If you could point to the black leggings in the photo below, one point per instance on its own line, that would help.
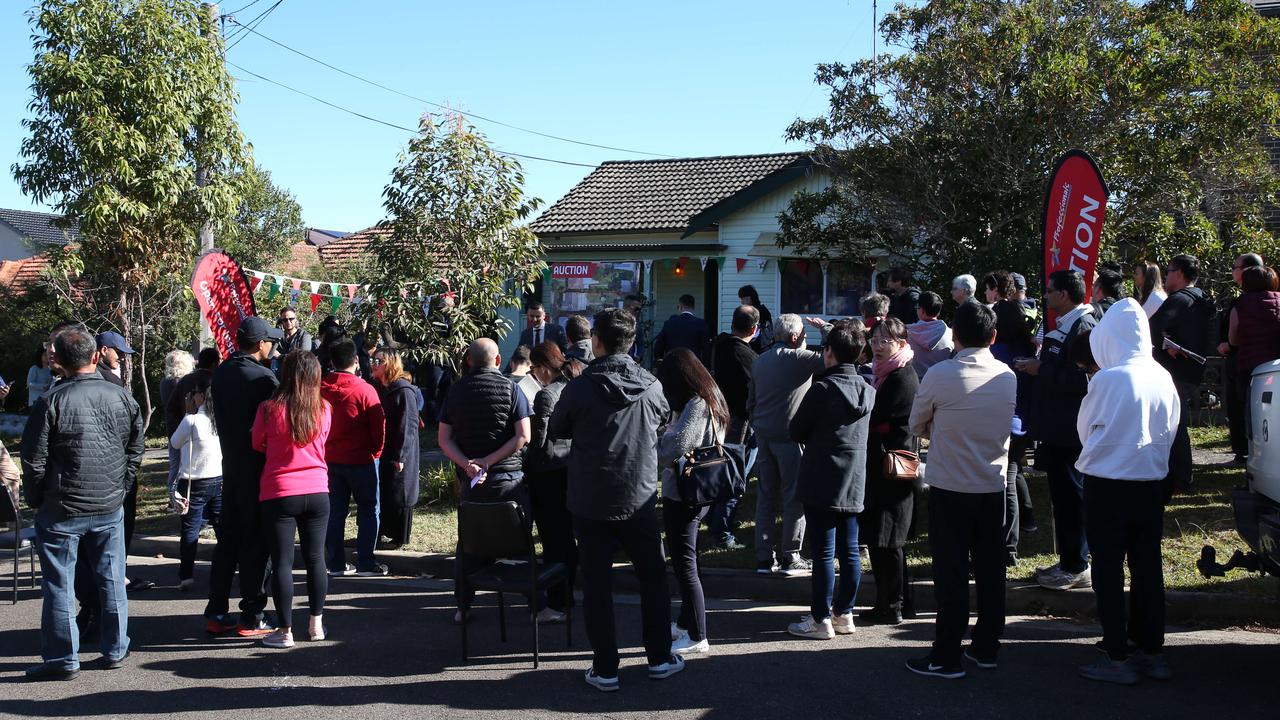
(308, 515)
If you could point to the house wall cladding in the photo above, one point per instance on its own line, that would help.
(739, 233)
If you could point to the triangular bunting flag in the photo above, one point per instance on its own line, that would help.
(333, 290)
(740, 262)
(351, 292)
(297, 285)
(334, 302)
(315, 301)
(254, 282)
(703, 262)
(272, 290)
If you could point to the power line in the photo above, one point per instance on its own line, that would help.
(476, 116)
(246, 7)
(252, 23)
(389, 124)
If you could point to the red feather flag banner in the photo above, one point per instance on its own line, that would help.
(224, 296)
(1075, 206)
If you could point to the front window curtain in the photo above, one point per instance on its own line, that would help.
(806, 292)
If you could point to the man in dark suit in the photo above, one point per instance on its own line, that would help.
(682, 330)
(540, 331)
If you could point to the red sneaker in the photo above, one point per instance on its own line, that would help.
(218, 625)
(260, 630)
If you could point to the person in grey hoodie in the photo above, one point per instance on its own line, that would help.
(930, 338)
(779, 380)
(833, 422)
(612, 412)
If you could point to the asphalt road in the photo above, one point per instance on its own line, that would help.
(392, 651)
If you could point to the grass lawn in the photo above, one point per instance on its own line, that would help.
(1192, 520)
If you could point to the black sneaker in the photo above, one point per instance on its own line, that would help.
(766, 567)
(982, 661)
(926, 666)
(881, 616)
(794, 565)
(106, 663)
(45, 671)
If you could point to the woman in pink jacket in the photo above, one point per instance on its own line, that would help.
(291, 429)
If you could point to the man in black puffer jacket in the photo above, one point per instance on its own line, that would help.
(81, 451)
(484, 426)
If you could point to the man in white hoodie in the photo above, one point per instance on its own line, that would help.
(1126, 424)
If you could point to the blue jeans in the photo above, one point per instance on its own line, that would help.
(205, 505)
(346, 481)
(60, 541)
(833, 535)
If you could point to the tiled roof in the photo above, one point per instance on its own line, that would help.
(20, 275)
(320, 238)
(346, 250)
(38, 227)
(304, 256)
(657, 195)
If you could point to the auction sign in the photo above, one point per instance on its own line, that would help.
(1075, 205)
(224, 296)
(573, 270)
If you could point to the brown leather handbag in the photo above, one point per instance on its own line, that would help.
(901, 465)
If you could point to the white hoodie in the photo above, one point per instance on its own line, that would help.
(1128, 419)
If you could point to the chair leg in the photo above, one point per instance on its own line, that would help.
(535, 641)
(502, 616)
(568, 626)
(464, 635)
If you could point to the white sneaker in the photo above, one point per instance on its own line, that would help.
(603, 684)
(1063, 580)
(685, 645)
(809, 628)
(549, 615)
(677, 632)
(666, 669)
(279, 639)
(843, 624)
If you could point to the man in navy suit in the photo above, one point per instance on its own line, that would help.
(682, 330)
(540, 331)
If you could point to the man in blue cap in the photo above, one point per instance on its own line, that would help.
(111, 346)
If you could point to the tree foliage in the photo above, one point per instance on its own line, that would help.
(129, 97)
(452, 204)
(267, 221)
(941, 151)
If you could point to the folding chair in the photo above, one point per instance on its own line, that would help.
(501, 531)
(9, 513)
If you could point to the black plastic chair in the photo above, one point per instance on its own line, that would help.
(9, 513)
(501, 531)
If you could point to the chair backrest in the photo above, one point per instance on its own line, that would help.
(494, 530)
(8, 506)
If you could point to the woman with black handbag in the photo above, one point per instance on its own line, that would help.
(891, 449)
(701, 422)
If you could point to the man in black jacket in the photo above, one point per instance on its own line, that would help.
(731, 362)
(682, 330)
(578, 330)
(1108, 287)
(1183, 319)
(541, 329)
(81, 450)
(903, 299)
(612, 413)
(239, 385)
(1060, 387)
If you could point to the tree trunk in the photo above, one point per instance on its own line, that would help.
(142, 365)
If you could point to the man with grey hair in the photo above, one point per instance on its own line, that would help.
(779, 380)
(963, 288)
(81, 451)
(484, 424)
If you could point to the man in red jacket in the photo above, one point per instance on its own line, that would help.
(355, 442)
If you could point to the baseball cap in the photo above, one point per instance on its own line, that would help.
(1018, 281)
(111, 339)
(255, 329)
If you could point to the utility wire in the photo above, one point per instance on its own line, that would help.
(246, 7)
(370, 118)
(476, 116)
(254, 23)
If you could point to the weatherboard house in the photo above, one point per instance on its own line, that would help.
(698, 226)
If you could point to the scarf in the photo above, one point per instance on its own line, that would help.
(883, 368)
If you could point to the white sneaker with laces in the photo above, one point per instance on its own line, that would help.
(812, 629)
(685, 645)
(603, 684)
(666, 669)
(1060, 579)
(677, 632)
(279, 639)
(843, 624)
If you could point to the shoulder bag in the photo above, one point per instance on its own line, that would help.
(712, 473)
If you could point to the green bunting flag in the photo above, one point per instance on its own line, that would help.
(272, 289)
(334, 302)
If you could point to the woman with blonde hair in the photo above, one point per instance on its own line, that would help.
(291, 429)
(398, 466)
(1148, 287)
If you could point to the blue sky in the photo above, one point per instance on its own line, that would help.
(687, 78)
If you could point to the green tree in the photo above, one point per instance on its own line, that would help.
(268, 220)
(452, 204)
(942, 151)
(129, 97)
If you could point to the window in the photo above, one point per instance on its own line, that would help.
(806, 290)
(585, 288)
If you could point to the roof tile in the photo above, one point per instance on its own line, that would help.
(38, 227)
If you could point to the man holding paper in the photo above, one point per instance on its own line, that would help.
(484, 425)
(1180, 336)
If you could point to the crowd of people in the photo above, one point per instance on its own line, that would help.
(277, 441)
